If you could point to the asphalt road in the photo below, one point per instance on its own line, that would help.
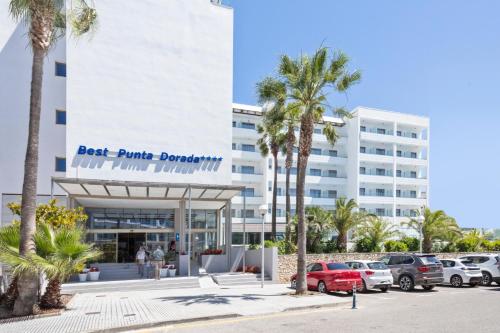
(444, 309)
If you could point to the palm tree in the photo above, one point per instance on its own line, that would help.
(59, 253)
(345, 219)
(376, 231)
(46, 21)
(272, 138)
(320, 223)
(436, 226)
(308, 80)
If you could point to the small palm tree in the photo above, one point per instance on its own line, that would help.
(47, 21)
(376, 231)
(272, 138)
(319, 224)
(345, 219)
(436, 226)
(308, 81)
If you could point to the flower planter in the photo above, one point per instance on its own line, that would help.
(82, 277)
(171, 272)
(163, 272)
(94, 276)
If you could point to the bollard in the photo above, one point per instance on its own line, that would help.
(354, 297)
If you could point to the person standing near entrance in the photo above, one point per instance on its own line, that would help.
(158, 256)
(140, 258)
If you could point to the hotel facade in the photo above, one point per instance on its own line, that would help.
(138, 128)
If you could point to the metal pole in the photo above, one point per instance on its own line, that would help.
(189, 231)
(262, 254)
(51, 189)
(244, 227)
(421, 225)
(354, 297)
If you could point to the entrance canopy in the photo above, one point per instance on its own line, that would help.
(92, 191)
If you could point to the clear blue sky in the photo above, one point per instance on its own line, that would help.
(435, 58)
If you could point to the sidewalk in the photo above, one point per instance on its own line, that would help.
(100, 311)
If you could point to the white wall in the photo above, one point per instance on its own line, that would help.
(155, 77)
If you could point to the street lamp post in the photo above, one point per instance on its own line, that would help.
(420, 220)
(263, 212)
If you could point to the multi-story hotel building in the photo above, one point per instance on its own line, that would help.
(142, 133)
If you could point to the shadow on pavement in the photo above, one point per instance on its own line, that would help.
(417, 289)
(213, 298)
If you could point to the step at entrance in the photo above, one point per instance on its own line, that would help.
(234, 279)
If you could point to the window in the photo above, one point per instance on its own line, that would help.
(393, 260)
(362, 191)
(413, 155)
(399, 133)
(234, 124)
(380, 151)
(362, 150)
(385, 260)
(413, 194)
(398, 211)
(247, 169)
(309, 267)
(278, 191)
(336, 266)
(315, 172)
(398, 193)
(376, 265)
(234, 146)
(60, 117)
(380, 131)
(398, 173)
(332, 173)
(293, 192)
(413, 174)
(270, 186)
(362, 170)
(60, 69)
(234, 168)
(332, 193)
(248, 125)
(428, 259)
(249, 213)
(332, 153)
(380, 192)
(293, 171)
(233, 212)
(362, 128)
(380, 172)
(60, 164)
(315, 193)
(413, 135)
(317, 131)
(380, 212)
(407, 260)
(399, 153)
(248, 192)
(315, 151)
(317, 268)
(246, 147)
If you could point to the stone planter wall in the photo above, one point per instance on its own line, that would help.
(287, 264)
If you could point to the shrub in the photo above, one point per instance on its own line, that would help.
(254, 246)
(330, 246)
(364, 245)
(466, 245)
(412, 243)
(395, 246)
(450, 247)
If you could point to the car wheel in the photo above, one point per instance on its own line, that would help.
(428, 287)
(363, 287)
(293, 284)
(322, 287)
(384, 289)
(456, 281)
(486, 281)
(406, 283)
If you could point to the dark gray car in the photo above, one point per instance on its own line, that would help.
(410, 270)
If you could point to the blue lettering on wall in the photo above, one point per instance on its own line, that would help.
(145, 155)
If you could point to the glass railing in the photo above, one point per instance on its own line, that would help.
(374, 151)
(408, 174)
(377, 131)
(374, 193)
(407, 154)
(375, 172)
(411, 135)
(379, 212)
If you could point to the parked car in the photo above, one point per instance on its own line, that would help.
(325, 277)
(458, 272)
(489, 265)
(374, 274)
(410, 270)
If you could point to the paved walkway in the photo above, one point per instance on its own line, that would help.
(97, 311)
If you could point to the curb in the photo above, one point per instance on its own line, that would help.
(316, 306)
(163, 323)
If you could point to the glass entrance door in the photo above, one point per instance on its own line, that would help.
(128, 245)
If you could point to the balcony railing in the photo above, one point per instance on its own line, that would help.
(371, 193)
(374, 172)
(378, 212)
(374, 151)
(375, 130)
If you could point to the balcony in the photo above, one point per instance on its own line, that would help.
(246, 177)
(377, 137)
(379, 212)
(374, 197)
(250, 200)
(246, 133)
(323, 180)
(408, 138)
(407, 159)
(374, 155)
(308, 200)
(246, 155)
(411, 201)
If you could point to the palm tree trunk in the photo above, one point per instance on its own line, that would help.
(52, 296)
(290, 140)
(342, 241)
(427, 245)
(275, 194)
(27, 282)
(305, 143)
(9, 297)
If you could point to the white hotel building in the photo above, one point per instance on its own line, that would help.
(161, 91)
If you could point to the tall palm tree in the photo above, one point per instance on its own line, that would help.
(308, 80)
(345, 219)
(436, 226)
(272, 138)
(376, 230)
(46, 20)
(59, 253)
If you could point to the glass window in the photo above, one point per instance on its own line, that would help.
(332, 193)
(278, 191)
(332, 173)
(362, 170)
(246, 147)
(362, 128)
(428, 260)
(293, 171)
(234, 146)
(248, 192)
(248, 125)
(380, 130)
(60, 117)
(60, 69)
(398, 193)
(336, 266)
(407, 260)
(249, 213)
(413, 174)
(293, 192)
(398, 212)
(398, 173)
(398, 133)
(247, 169)
(315, 151)
(362, 191)
(380, 151)
(60, 164)
(317, 267)
(317, 131)
(399, 153)
(380, 192)
(332, 153)
(234, 124)
(380, 172)
(233, 168)
(413, 135)
(413, 155)
(315, 193)
(315, 172)
(106, 243)
(296, 150)
(309, 267)
(362, 150)
(376, 265)
(394, 260)
(413, 194)
(380, 212)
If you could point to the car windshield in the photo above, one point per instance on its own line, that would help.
(429, 260)
(377, 265)
(335, 266)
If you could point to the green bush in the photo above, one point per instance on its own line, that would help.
(364, 245)
(283, 246)
(450, 247)
(466, 245)
(491, 246)
(254, 246)
(330, 246)
(395, 246)
(412, 243)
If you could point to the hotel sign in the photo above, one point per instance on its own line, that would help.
(145, 155)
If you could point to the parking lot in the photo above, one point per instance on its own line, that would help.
(444, 309)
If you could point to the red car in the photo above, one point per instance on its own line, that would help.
(325, 277)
